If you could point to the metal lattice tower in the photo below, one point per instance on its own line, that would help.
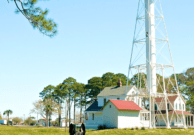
(151, 56)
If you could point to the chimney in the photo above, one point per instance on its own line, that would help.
(119, 84)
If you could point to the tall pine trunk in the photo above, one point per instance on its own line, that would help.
(59, 114)
(8, 120)
(81, 109)
(85, 102)
(74, 110)
(69, 110)
(46, 124)
(49, 120)
(66, 117)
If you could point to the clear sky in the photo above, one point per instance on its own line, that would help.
(94, 37)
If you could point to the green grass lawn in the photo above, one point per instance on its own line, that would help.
(22, 130)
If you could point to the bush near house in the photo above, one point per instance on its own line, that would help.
(100, 127)
(143, 128)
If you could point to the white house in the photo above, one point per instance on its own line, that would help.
(177, 104)
(94, 114)
(121, 114)
(100, 113)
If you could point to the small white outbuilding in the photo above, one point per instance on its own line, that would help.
(121, 114)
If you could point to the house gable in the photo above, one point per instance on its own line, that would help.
(110, 115)
(179, 103)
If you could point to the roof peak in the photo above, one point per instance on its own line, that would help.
(114, 90)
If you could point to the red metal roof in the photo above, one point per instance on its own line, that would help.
(125, 105)
(171, 98)
(180, 112)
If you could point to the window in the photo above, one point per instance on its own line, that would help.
(168, 106)
(104, 101)
(148, 116)
(176, 106)
(183, 107)
(86, 116)
(179, 106)
(156, 107)
(133, 93)
(92, 116)
(118, 98)
(110, 106)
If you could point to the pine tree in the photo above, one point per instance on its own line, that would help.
(36, 16)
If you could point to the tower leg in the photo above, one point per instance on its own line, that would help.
(165, 98)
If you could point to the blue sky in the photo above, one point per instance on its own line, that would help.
(94, 37)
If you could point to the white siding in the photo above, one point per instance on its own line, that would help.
(175, 122)
(110, 116)
(131, 91)
(178, 121)
(3, 122)
(179, 101)
(93, 124)
(128, 119)
(136, 99)
(101, 99)
(161, 121)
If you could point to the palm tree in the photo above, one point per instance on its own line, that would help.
(8, 112)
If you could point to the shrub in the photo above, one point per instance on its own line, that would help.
(143, 128)
(100, 127)
(38, 125)
(136, 128)
(132, 128)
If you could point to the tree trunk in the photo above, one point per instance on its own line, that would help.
(8, 119)
(66, 117)
(85, 102)
(80, 108)
(49, 120)
(46, 124)
(59, 114)
(74, 110)
(60, 119)
(69, 111)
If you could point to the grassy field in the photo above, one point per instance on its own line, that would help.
(19, 130)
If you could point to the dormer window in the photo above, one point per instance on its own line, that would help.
(118, 98)
(110, 106)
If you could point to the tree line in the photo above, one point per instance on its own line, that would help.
(70, 92)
